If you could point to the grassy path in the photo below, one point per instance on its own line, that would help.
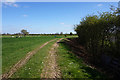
(14, 49)
(23, 61)
(33, 68)
(51, 69)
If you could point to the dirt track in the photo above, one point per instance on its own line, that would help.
(23, 61)
(51, 69)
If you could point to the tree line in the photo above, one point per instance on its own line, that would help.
(26, 33)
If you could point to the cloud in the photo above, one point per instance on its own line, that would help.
(66, 25)
(62, 23)
(25, 15)
(100, 5)
(15, 5)
(10, 4)
(9, 0)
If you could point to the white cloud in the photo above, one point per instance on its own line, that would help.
(25, 15)
(15, 5)
(100, 5)
(9, 0)
(66, 25)
(10, 4)
(62, 23)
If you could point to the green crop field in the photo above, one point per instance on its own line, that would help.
(13, 49)
(35, 65)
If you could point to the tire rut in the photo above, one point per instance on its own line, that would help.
(51, 69)
(23, 61)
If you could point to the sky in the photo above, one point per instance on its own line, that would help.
(48, 17)
(59, 0)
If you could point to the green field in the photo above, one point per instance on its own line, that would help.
(13, 49)
(35, 65)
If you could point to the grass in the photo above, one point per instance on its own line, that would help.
(58, 36)
(72, 67)
(33, 68)
(13, 49)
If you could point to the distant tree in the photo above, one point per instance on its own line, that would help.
(7, 34)
(24, 32)
(71, 33)
(56, 33)
(17, 34)
(3, 33)
(61, 33)
(65, 35)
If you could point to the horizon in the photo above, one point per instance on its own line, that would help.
(48, 17)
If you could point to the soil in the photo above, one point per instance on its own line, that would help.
(51, 69)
